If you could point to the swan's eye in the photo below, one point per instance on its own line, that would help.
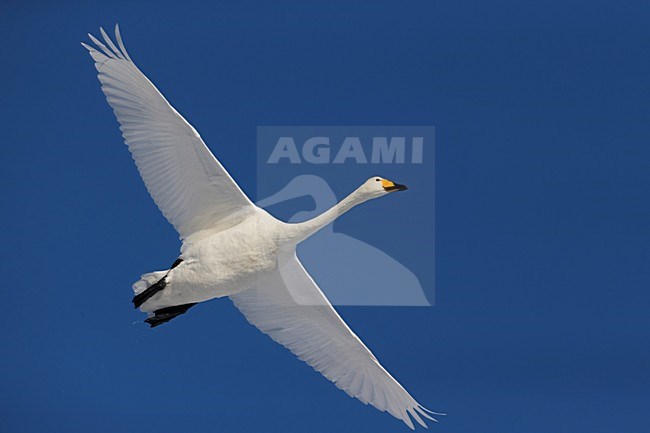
(377, 179)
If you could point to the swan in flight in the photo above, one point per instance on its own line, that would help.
(230, 247)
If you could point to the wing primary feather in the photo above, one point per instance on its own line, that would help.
(88, 47)
(118, 36)
(415, 415)
(407, 419)
(426, 415)
(431, 412)
(110, 43)
(102, 46)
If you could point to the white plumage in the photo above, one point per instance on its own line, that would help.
(233, 248)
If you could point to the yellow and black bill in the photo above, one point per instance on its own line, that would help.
(392, 186)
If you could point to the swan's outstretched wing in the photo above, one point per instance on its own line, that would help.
(186, 181)
(292, 310)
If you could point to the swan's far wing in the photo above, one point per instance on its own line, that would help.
(293, 311)
(186, 181)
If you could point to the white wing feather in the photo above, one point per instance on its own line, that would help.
(189, 185)
(293, 311)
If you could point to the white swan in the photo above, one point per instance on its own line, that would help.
(232, 247)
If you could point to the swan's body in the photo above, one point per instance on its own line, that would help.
(233, 248)
(218, 264)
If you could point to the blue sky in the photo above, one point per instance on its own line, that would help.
(541, 213)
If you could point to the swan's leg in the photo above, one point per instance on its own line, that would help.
(176, 263)
(141, 298)
(168, 313)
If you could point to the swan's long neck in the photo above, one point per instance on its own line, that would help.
(301, 231)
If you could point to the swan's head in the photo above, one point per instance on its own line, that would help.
(377, 186)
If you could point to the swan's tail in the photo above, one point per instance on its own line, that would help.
(147, 280)
(147, 286)
(150, 284)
